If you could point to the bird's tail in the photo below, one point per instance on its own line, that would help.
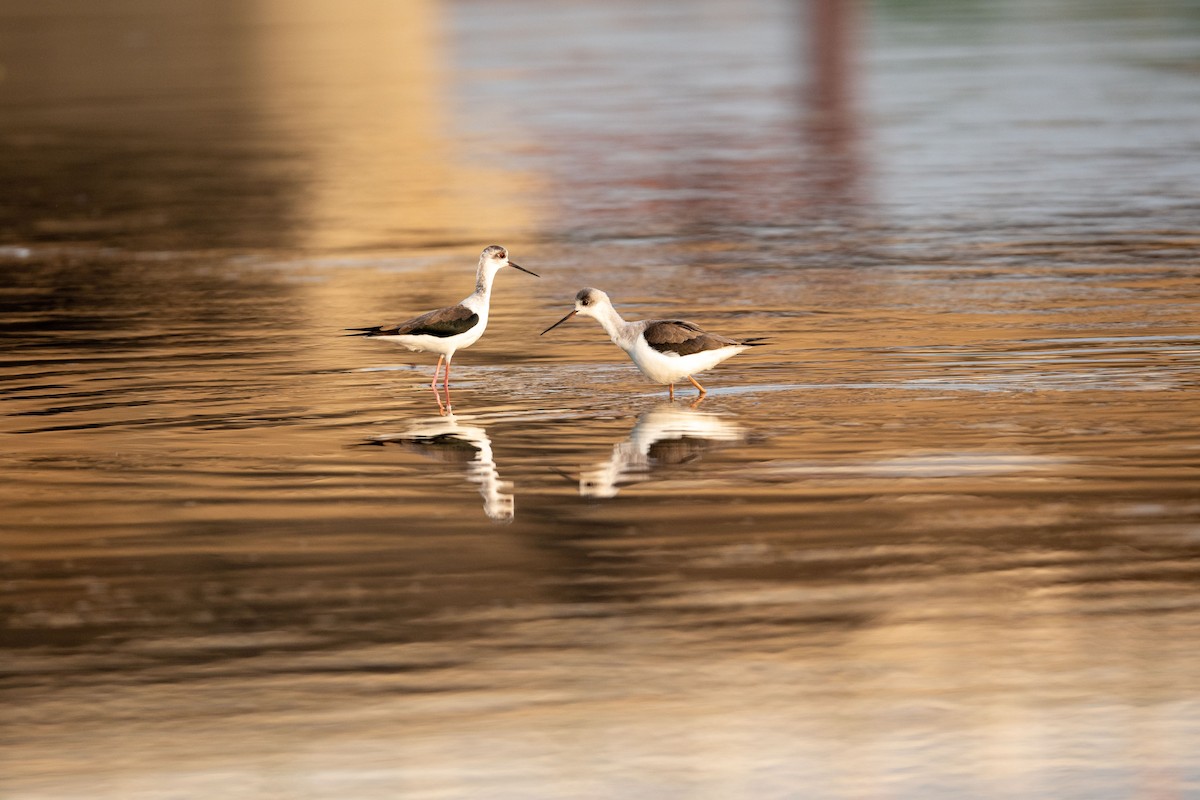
(372, 331)
(755, 341)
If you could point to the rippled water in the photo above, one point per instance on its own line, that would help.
(940, 538)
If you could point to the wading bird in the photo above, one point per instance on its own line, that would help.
(449, 329)
(665, 350)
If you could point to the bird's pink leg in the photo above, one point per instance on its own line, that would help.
(446, 384)
(436, 394)
(698, 386)
(671, 389)
(436, 370)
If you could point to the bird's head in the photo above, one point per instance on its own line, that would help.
(494, 258)
(587, 302)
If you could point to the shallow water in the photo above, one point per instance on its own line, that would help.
(940, 538)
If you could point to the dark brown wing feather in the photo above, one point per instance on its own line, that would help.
(442, 323)
(683, 338)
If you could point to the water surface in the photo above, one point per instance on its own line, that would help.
(938, 539)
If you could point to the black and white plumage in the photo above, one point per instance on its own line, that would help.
(440, 324)
(448, 330)
(683, 338)
(665, 350)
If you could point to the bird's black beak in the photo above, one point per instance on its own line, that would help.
(518, 266)
(560, 322)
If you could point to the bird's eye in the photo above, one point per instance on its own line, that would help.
(584, 302)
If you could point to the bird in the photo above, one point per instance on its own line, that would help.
(665, 350)
(450, 329)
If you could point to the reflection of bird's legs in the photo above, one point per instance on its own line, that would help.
(698, 386)
(671, 389)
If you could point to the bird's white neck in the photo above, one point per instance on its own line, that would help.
(623, 334)
(483, 288)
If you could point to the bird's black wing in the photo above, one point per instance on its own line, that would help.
(683, 338)
(443, 322)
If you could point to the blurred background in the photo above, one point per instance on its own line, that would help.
(939, 539)
(202, 125)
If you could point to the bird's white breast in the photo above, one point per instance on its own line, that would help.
(669, 368)
(442, 345)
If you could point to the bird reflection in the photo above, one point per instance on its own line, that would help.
(447, 439)
(662, 437)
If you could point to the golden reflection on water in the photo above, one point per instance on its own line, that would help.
(964, 554)
(363, 93)
(938, 539)
(249, 125)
